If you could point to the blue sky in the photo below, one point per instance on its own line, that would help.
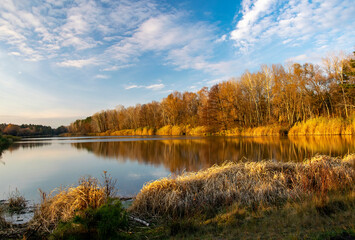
(63, 60)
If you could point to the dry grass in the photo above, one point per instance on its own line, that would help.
(16, 202)
(324, 126)
(197, 131)
(3, 223)
(257, 131)
(249, 184)
(166, 130)
(63, 204)
(146, 131)
(177, 131)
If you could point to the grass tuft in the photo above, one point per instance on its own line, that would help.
(62, 204)
(16, 202)
(104, 222)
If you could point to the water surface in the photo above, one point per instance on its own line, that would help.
(47, 163)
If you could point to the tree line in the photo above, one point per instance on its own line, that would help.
(30, 130)
(274, 95)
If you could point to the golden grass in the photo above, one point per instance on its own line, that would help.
(247, 184)
(324, 126)
(272, 130)
(177, 131)
(166, 130)
(197, 131)
(64, 203)
(145, 131)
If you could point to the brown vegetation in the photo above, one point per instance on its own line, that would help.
(249, 184)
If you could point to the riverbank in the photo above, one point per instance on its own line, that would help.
(249, 200)
(314, 126)
(6, 141)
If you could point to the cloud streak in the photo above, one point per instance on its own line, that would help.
(78, 63)
(153, 87)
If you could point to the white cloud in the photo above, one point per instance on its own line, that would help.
(293, 21)
(132, 86)
(312, 57)
(115, 33)
(223, 38)
(184, 44)
(51, 28)
(117, 67)
(216, 81)
(14, 53)
(101, 76)
(153, 87)
(299, 58)
(78, 63)
(246, 29)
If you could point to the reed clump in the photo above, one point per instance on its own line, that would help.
(324, 126)
(16, 202)
(63, 204)
(249, 184)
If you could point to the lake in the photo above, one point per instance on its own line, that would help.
(47, 163)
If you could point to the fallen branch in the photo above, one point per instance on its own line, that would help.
(139, 220)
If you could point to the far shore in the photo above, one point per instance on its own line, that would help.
(313, 127)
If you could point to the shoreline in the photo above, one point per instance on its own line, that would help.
(319, 126)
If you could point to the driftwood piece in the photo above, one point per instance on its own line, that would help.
(139, 220)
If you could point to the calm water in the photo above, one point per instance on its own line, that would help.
(47, 163)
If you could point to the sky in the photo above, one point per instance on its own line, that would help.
(64, 60)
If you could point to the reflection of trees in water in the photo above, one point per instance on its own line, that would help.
(30, 145)
(330, 145)
(17, 146)
(194, 154)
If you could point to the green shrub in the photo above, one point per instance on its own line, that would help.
(104, 222)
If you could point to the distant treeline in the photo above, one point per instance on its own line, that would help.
(278, 95)
(30, 130)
